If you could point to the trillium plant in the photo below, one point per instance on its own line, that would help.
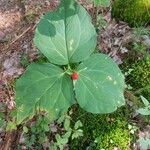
(75, 73)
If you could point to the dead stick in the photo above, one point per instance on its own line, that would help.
(5, 50)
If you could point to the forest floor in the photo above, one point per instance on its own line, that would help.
(18, 20)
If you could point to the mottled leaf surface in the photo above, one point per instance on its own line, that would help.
(100, 86)
(43, 87)
(66, 35)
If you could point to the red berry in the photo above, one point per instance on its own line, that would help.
(74, 76)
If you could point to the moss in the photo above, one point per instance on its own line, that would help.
(134, 12)
(139, 78)
(108, 131)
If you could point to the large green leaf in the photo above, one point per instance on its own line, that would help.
(45, 87)
(66, 35)
(100, 86)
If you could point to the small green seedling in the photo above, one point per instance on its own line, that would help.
(70, 132)
(146, 110)
(74, 74)
(144, 143)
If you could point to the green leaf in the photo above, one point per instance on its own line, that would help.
(77, 134)
(67, 134)
(102, 3)
(145, 101)
(101, 22)
(67, 123)
(61, 140)
(2, 115)
(2, 123)
(100, 86)
(45, 87)
(66, 35)
(53, 147)
(144, 111)
(25, 129)
(78, 124)
(11, 126)
(58, 137)
(46, 128)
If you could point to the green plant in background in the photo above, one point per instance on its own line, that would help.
(101, 22)
(36, 134)
(58, 133)
(70, 132)
(6, 119)
(132, 128)
(140, 48)
(146, 109)
(141, 42)
(144, 143)
(139, 77)
(102, 131)
(134, 12)
(67, 37)
(139, 32)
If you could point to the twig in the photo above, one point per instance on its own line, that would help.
(18, 37)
